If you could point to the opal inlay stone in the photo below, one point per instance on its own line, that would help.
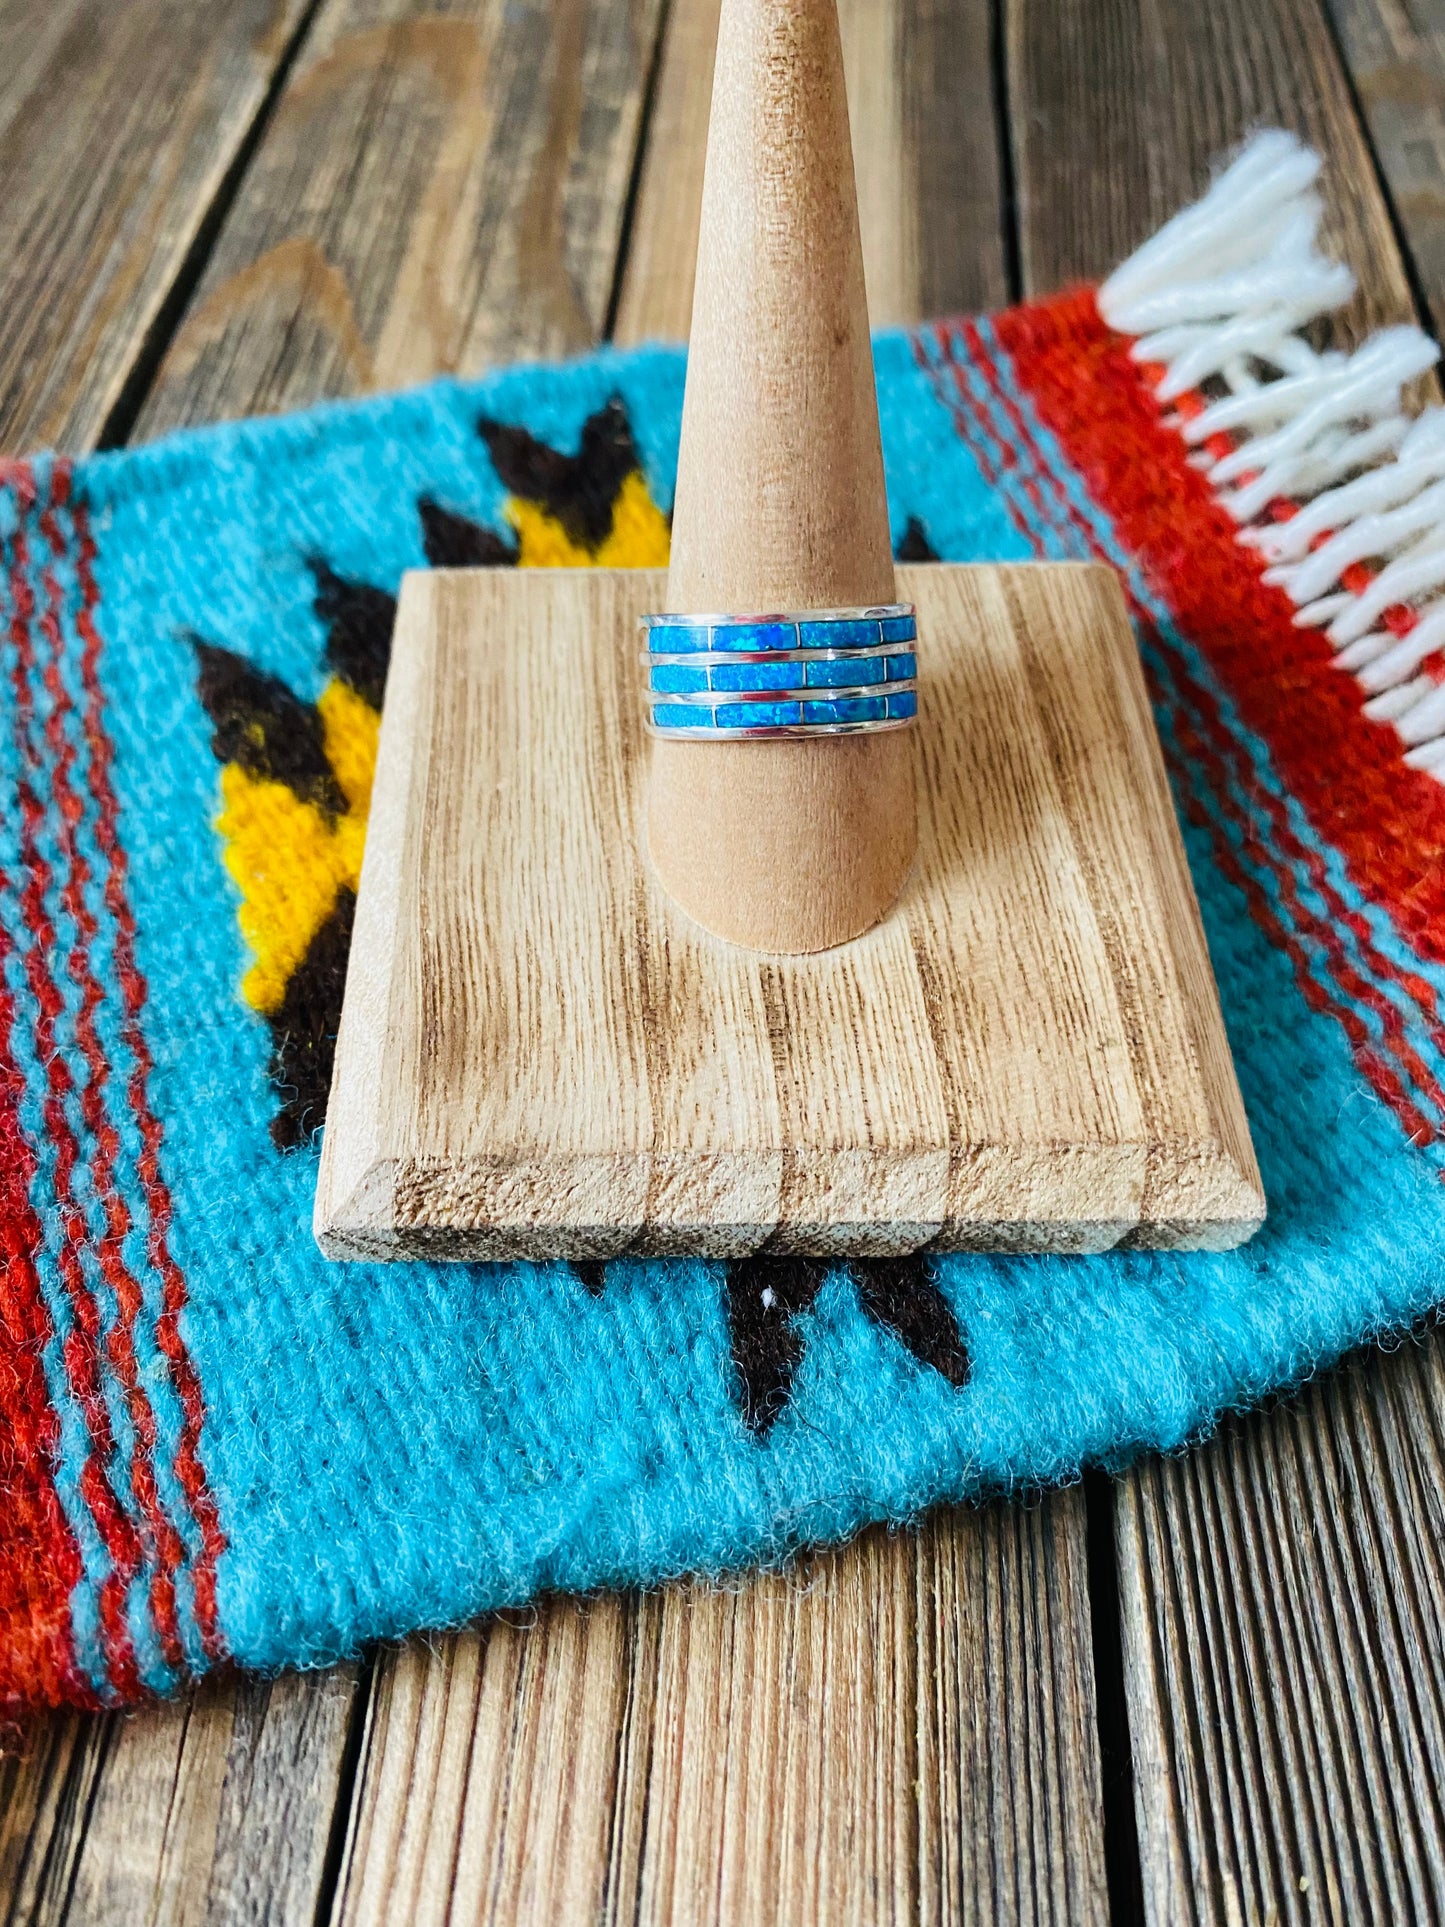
(769, 668)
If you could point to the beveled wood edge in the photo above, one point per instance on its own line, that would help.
(371, 1224)
(370, 989)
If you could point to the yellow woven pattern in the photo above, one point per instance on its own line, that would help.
(638, 538)
(289, 857)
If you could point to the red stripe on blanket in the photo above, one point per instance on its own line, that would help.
(1348, 773)
(163, 1541)
(39, 1559)
(189, 1469)
(1392, 1066)
(81, 1347)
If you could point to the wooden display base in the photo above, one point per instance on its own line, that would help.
(540, 1056)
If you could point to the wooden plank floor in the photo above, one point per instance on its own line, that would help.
(1213, 1691)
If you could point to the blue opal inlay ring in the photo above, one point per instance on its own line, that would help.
(820, 672)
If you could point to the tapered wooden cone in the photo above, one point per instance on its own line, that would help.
(791, 844)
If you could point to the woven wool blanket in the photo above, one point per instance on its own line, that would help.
(213, 1443)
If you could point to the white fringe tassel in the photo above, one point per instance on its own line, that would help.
(1220, 295)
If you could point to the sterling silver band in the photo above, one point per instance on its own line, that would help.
(713, 675)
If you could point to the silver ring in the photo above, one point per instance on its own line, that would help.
(749, 643)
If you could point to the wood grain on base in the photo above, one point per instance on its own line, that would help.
(539, 1055)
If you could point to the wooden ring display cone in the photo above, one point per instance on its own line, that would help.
(780, 505)
(542, 1055)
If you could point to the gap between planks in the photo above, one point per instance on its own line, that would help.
(1395, 57)
(213, 1809)
(437, 192)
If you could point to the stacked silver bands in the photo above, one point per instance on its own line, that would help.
(823, 672)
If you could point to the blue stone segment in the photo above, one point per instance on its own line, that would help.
(855, 709)
(840, 658)
(673, 639)
(755, 635)
(757, 715)
(676, 679)
(755, 675)
(838, 635)
(851, 671)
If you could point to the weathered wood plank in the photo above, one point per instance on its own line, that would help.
(212, 1810)
(1285, 1656)
(1395, 51)
(1279, 1587)
(895, 1733)
(926, 131)
(118, 123)
(1119, 107)
(47, 1772)
(926, 148)
(439, 189)
(656, 274)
